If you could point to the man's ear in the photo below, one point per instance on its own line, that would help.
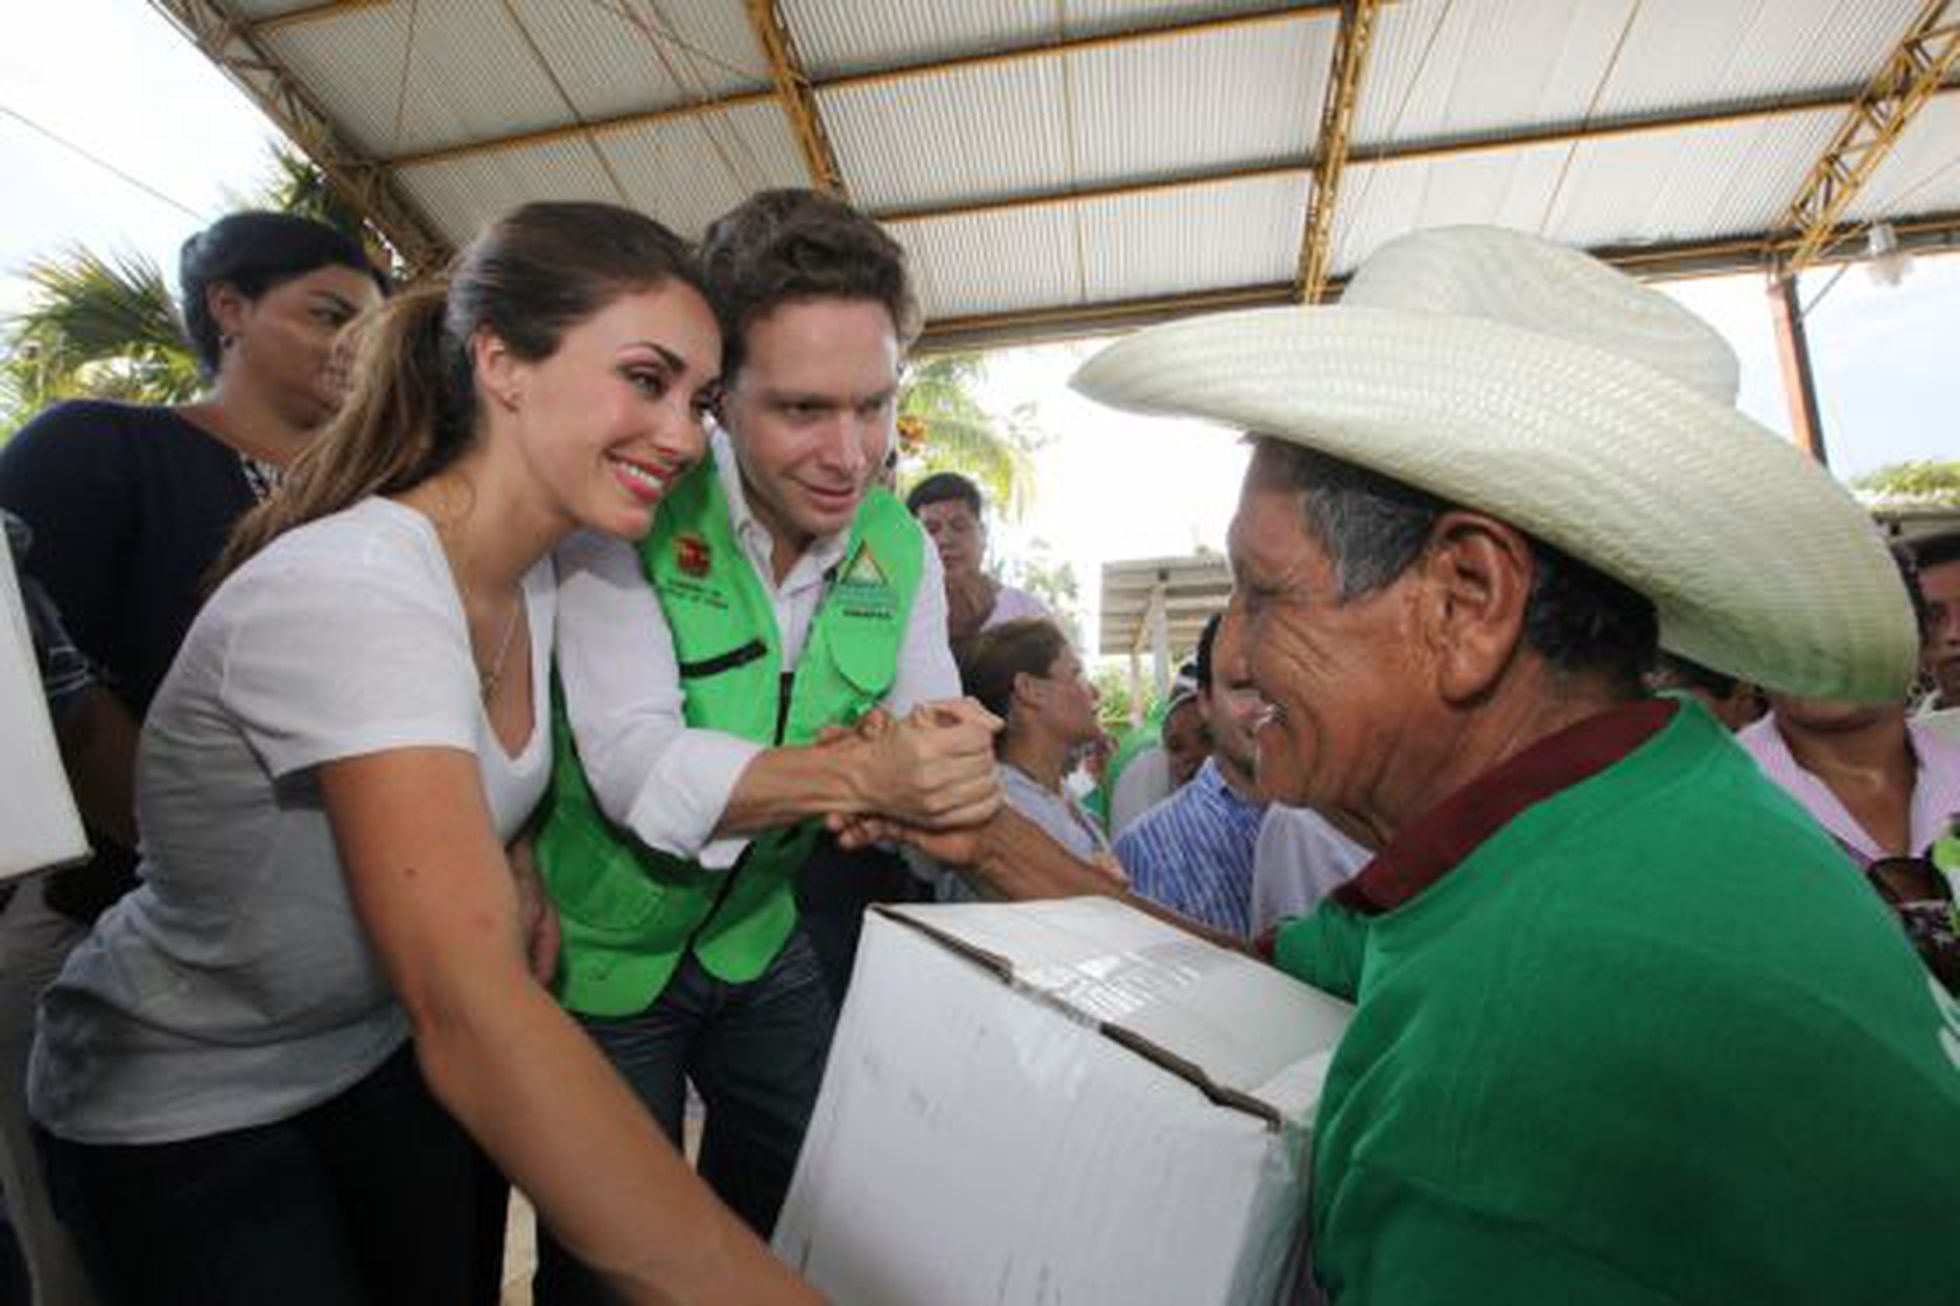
(1027, 689)
(499, 372)
(1477, 573)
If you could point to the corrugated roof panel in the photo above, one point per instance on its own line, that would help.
(840, 36)
(994, 130)
(1444, 69)
(1646, 188)
(846, 36)
(470, 74)
(1922, 173)
(1725, 179)
(461, 195)
(1484, 66)
(1681, 52)
(1240, 94)
(619, 57)
(1166, 242)
(959, 271)
(1379, 202)
(687, 172)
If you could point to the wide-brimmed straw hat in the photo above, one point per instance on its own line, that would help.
(1532, 382)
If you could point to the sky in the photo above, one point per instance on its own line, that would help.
(115, 80)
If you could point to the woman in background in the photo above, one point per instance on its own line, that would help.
(1025, 673)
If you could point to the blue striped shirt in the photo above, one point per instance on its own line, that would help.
(1193, 852)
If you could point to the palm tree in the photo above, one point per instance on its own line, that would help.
(103, 327)
(961, 436)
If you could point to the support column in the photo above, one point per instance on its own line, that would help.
(1793, 351)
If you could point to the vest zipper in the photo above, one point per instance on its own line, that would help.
(728, 881)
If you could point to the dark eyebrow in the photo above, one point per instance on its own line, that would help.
(667, 356)
(328, 297)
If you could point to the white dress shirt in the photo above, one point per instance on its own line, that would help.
(649, 770)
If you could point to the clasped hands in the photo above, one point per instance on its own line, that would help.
(932, 769)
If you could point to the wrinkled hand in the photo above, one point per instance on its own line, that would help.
(537, 919)
(958, 846)
(969, 602)
(1110, 867)
(933, 769)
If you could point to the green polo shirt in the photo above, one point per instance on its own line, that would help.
(1628, 1030)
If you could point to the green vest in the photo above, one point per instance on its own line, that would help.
(629, 913)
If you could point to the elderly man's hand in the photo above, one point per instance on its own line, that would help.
(958, 846)
(933, 769)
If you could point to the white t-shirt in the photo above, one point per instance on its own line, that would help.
(1145, 782)
(1012, 604)
(235, 986)
(1300, 859)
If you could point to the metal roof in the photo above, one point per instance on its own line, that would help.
(1157, 607)
(1059, 166)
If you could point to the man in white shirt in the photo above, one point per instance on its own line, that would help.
(779, 596)
(951, 510)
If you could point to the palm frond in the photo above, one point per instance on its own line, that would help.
(98, 325)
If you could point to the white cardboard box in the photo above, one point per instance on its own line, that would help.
(1065, 1102)
(38, 822)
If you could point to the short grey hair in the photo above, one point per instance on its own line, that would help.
(1373, 529)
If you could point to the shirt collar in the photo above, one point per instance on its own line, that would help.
(1443, 837)
(1935, 787)
(824, 552)
(1211, 783)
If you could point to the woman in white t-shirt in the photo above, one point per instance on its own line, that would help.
(231, 1070)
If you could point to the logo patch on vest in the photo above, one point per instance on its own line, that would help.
(692, 555)
(864, 590)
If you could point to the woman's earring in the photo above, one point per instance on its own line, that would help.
(226, 341)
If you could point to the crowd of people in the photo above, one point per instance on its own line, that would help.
(495, 702)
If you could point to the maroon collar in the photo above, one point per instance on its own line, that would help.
(1441, 838)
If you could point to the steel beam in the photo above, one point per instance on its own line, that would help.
(364, 183)
(794, 92)
(1357, 30)
(1912, 73)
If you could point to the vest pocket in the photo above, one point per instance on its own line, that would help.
(615, 896)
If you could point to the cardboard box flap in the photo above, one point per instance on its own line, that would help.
(1152, 987)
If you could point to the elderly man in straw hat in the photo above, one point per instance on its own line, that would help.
(1626, 1030)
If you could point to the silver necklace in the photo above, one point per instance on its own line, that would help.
(487, 681)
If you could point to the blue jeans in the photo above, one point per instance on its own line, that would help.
(755, 1053)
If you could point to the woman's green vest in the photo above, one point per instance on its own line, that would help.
(629, 913)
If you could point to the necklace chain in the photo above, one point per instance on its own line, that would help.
(488, 680)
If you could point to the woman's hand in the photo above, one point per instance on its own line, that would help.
(537, 919)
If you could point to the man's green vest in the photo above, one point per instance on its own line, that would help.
(630, 913)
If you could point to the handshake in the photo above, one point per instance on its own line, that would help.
(929, 780)
(930, 770)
